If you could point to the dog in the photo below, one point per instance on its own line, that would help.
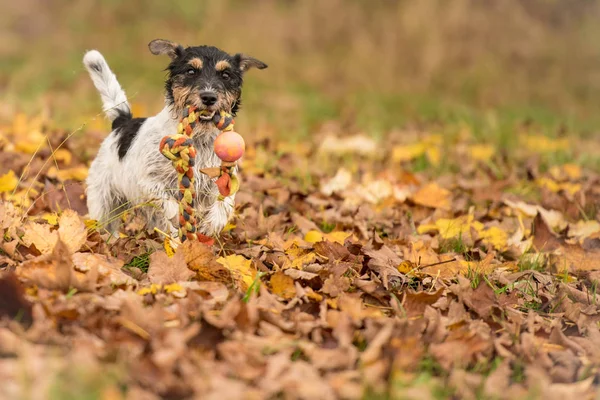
(129, 171)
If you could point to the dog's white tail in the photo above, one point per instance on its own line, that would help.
(114, 100)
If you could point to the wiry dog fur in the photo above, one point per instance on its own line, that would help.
(129, 170)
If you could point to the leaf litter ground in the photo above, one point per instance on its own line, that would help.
(439, 267)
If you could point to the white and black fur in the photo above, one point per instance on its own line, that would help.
(129, 170)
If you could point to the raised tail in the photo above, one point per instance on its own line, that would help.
(114, 100)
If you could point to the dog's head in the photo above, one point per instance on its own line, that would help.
(204, 76)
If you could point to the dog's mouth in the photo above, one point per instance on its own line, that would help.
(207, 115)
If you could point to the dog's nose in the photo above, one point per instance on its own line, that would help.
(208, 98)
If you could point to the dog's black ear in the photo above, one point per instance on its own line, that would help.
(161, 46)
(246, 62)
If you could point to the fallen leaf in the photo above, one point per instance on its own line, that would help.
(433, 196)
(408, 152)
(282, 285)
(241, 269)
(65, 174)
(481, 152)
(339, 182)
(109, 268)
(415, 302)
(164, 269)
(13, 304)
(8, 182)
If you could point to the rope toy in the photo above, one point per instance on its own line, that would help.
(179, 148)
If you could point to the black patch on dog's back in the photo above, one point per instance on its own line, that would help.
(127, 131)
(123, 118)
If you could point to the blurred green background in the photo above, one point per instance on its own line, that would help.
(371, 65)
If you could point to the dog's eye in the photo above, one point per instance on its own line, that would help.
(225, 76)
(191, 71)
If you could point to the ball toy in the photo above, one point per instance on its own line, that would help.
(229, 146)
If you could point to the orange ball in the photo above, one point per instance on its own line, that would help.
(230, 146)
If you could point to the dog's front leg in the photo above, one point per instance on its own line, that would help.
(217, 215)
(213, 211)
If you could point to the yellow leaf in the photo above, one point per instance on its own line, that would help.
(434, 156)
(573, 171)
(75, 173)
(496, 237)
(333, 303)
(153, 289)
(453, 228)
(406, 266)
(175, 289)
(8, 182)
(313, 236)
(91, 223)
(51, 218)
(228, 227)
(20, 124)
(21, 198)
(311, 294)
(28, 146)
(337, 237)
(457, 227)
(544, 144)
(408, 152)
(168, 247)
(63, 155)
(556, 187)
(549, 184)
(435, 139)
(481, 152)
(241, 269)
(282, 285)
(431, 195)
(426, 228)
(303, 260)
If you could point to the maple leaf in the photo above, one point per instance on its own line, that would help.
(164, 269)
(71, 231)
(201, 259)
(53, 271)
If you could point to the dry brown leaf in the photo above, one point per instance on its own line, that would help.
(564, 256)
(201, 259)
(108, 268)
(415, 303)
(71, 231)
(164, 269)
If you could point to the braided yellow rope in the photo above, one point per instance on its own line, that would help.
(179, 148)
